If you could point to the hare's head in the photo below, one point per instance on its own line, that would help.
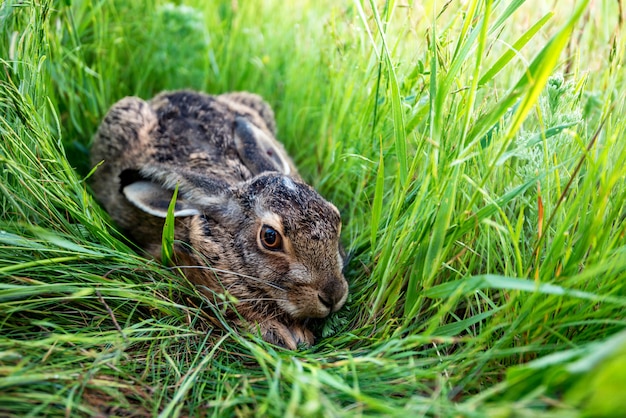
(295, 245)
(273, 239)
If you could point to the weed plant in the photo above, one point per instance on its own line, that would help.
(475, 148)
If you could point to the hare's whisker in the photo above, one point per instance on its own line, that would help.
(253, 300)
(245, 276)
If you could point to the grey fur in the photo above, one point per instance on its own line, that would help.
(234, 177)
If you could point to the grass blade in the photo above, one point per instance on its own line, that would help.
(167, 244)
(513, 51)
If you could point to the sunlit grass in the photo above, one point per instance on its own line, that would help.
(475, 149)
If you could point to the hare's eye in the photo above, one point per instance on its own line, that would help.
(270, 238)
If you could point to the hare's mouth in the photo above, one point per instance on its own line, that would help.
(313, 302)
(313, 307)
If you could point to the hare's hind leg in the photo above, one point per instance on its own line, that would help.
(124, 129)
(122, 142)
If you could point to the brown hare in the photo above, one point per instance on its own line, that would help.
(246, 224)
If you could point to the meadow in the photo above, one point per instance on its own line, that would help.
(475, 148)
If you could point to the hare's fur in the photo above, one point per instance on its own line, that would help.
(236, 182)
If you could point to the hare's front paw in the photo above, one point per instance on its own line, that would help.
(290, 337)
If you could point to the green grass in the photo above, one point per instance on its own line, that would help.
(476, 150)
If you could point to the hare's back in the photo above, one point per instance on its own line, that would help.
(196, 131)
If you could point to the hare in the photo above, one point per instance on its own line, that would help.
(245, 222)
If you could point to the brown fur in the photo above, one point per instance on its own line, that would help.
(233, 178)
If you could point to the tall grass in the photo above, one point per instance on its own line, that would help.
(474, 148)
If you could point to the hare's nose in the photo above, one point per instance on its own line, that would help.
(326, 301)
(332, 294)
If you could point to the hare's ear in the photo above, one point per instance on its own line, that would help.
(255, 102)
(155, 200)
(257, 150)
(151, 189)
